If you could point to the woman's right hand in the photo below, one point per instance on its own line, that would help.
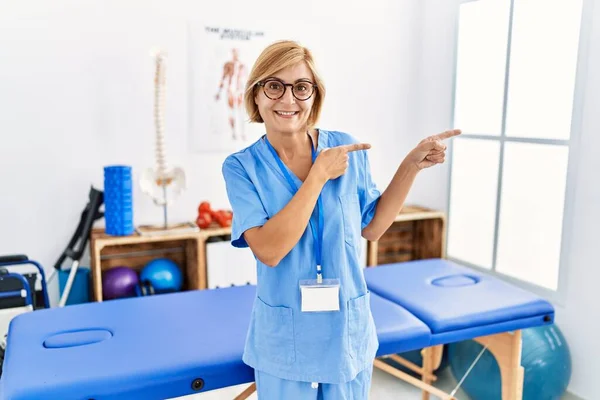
(332, 162)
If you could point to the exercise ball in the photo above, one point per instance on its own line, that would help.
(545, 357)
(119, 282)
(164, 275)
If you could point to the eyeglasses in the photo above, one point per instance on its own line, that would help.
(275, 89)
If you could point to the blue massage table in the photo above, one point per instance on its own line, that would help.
(171, 345)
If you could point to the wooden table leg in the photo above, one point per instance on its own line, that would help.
(437, 354)
(410, 365)
(506, 348)
(246, 393)
(425, 387)
(428, 361)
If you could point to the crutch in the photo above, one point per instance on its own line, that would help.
(77, 244)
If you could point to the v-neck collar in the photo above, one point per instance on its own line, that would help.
(273, 163)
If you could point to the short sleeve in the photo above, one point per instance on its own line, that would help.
(368, 192)
(248, 210)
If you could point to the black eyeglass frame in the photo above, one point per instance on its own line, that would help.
(285, 85)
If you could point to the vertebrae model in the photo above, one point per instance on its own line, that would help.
(159, 116)
(162, 183)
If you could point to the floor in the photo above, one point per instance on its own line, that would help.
(384, 387)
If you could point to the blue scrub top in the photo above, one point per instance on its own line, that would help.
(324, 347)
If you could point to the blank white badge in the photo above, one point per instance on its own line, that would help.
(318, 297)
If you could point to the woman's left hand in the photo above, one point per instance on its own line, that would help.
(431, 151)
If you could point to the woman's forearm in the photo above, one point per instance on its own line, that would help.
(391, 201)
(274, 240)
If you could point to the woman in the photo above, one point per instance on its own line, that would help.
(302, 198)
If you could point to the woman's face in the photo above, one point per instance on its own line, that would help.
(286, 114)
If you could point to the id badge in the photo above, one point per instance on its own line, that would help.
(323, 296)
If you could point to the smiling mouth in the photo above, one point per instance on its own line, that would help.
(286, 113)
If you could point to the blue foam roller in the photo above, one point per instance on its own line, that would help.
(118, 200)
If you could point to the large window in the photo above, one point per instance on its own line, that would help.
(516, 70)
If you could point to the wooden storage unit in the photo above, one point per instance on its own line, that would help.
(417, 233)
(188, 250)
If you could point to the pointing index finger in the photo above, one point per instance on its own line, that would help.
(355, 146)
(448, 134)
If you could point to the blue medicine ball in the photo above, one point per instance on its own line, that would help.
(545, 358)
(164, 275)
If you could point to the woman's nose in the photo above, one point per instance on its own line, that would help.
(288, 97)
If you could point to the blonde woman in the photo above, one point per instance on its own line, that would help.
(302, 197)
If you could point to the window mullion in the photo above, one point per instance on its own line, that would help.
(502, 138)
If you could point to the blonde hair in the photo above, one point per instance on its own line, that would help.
(274, 58)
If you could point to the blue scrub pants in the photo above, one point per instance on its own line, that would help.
(269, 387)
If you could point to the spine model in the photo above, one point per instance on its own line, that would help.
(162, 174)
(163, 183)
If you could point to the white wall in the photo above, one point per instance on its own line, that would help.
(578, 316)
(80, 73)
(76, 95)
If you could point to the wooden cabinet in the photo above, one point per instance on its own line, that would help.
(417, 233)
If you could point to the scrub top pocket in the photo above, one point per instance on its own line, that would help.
(351, 216)
(274, 332)
(359, 331)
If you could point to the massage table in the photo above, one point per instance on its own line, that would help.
(456, 303)
(172, 345)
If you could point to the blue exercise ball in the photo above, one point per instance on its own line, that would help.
(164, 275)
(545, 357)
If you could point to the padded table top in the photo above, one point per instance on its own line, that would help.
(397, 329)
(154, 347)
(449, 297)
(147, 347)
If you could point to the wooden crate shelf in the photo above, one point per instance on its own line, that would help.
(417, 233)
(188, 250)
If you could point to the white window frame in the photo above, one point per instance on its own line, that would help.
(557, 296)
